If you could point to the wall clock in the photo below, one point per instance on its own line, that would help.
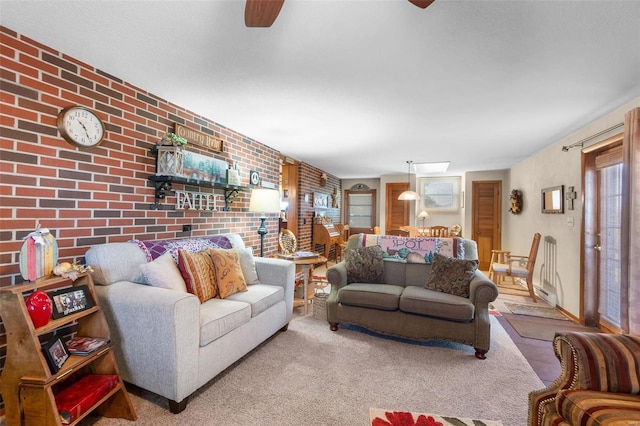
(80, 126)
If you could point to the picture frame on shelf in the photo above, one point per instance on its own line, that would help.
(70, 300)
(320, 200)
(56, 353)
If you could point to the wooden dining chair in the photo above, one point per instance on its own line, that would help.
(412, 230)
(517, 266)
(439, 231)
(398, 232)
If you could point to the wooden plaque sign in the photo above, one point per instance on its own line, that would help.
(197, 137)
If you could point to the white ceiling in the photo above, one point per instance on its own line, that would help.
(356, 87)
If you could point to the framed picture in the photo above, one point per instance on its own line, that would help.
(56, 353)
(69, 300)
(320, 200)
(440, 194)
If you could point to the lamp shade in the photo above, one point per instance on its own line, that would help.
(423, 214)
(409, 195)
(264, 200)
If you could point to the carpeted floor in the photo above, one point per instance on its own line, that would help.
(310, 375)
(543, 328)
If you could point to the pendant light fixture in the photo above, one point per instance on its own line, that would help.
(409, 195)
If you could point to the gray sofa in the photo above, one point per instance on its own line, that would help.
(169, 343)
(401, 306)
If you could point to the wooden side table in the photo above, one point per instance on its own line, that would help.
(305, 266)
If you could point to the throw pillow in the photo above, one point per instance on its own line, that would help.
(164, 273)
(228, 272)
(364, 265)
(248, 265)
(198, 273)
(450, 275)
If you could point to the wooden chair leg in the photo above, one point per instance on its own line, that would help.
(531, 292)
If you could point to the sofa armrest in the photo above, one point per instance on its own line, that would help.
(337, 276)
(482, 290)
(154, 330)
(590, 361)
(278, 272)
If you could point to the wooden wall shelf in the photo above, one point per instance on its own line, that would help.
(163, 183)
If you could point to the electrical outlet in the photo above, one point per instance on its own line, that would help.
(186, 228)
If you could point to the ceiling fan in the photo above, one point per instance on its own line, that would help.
(263, 13)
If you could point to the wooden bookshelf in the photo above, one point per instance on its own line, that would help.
(29, 386)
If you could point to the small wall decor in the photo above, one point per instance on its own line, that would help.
(38, 254)
(516, 202)
(323, 179)
(570, 196)
(335, 198)
(254, 177)
(320, 200)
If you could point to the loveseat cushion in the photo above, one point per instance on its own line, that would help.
(220, 316)
(364, 264)
(376, 296)
(260, 297)
(582, 407)
(198, 274)
(418, 300)
(451, 275)
(227, 272)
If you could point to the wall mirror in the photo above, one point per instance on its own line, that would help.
(552, 199)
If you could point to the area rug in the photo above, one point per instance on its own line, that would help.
(535, 311)
(543, 328)
(310, 375)
(380, 417)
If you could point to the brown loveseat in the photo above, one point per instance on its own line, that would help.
(599, 382)
(401, 304)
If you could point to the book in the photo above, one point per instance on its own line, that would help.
(75, 400)
(85, 345)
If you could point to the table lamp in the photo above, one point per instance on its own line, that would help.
(264, 201)
(423, 215)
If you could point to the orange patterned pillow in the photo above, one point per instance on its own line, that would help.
(228, 272)
(198, 273)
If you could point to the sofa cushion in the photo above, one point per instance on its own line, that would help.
(164, 273)
(115, 262)
(248, 265)
(364, 265)
(451, 275)
(582, 407)
(227, 272)
(260, 296)
(418, 300)
(220, 316)
(377, 296)
(198, 274)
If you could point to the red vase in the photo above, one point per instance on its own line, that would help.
(39, 307)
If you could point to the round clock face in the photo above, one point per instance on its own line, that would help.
(80, 127)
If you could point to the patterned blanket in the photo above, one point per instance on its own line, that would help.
(413, 250)
(156, 248)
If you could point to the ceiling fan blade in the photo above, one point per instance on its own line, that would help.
(422, 4)
(261, 13)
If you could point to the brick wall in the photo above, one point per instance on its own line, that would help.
(101, 195)
(309, 183)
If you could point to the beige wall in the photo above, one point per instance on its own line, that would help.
(551, 167)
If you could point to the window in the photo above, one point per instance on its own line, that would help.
(440, 194)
